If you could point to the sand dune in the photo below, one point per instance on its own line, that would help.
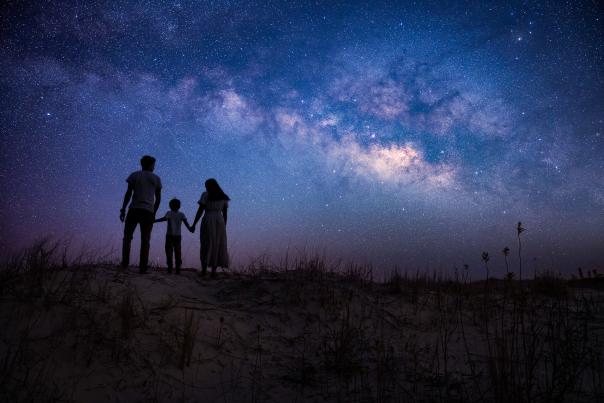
(92, 334)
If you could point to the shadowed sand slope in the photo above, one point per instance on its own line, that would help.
(89, 333)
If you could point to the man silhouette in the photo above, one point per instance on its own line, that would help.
(144, 187)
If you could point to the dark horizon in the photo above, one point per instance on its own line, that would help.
(384, 133)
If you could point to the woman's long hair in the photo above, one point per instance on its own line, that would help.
(215, 192)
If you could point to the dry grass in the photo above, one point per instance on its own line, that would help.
(301, 330)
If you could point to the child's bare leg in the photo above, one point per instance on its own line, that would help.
(177, 253)
(169, 253)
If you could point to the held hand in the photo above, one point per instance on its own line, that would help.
(192, 229)
(122, 215)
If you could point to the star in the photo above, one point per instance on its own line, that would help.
(412, 131)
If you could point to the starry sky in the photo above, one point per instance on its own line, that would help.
(408, 134)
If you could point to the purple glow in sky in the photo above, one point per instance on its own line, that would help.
(382, 132)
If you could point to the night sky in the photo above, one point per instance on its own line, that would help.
(408, 134)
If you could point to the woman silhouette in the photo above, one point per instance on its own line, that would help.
(213, 227)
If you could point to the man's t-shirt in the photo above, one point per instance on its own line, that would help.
(175, 219)
(144, 185)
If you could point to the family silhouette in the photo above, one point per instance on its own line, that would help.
(143, 197)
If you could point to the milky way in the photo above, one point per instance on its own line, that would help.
(408, 135)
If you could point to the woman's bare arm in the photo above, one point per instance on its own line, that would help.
(198, 215)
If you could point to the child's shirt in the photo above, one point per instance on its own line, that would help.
(175, 219)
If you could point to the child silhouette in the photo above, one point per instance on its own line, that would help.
(173, 238)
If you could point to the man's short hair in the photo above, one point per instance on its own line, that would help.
(174, 204)
(147, 161)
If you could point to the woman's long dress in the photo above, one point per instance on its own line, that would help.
(214, 252)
